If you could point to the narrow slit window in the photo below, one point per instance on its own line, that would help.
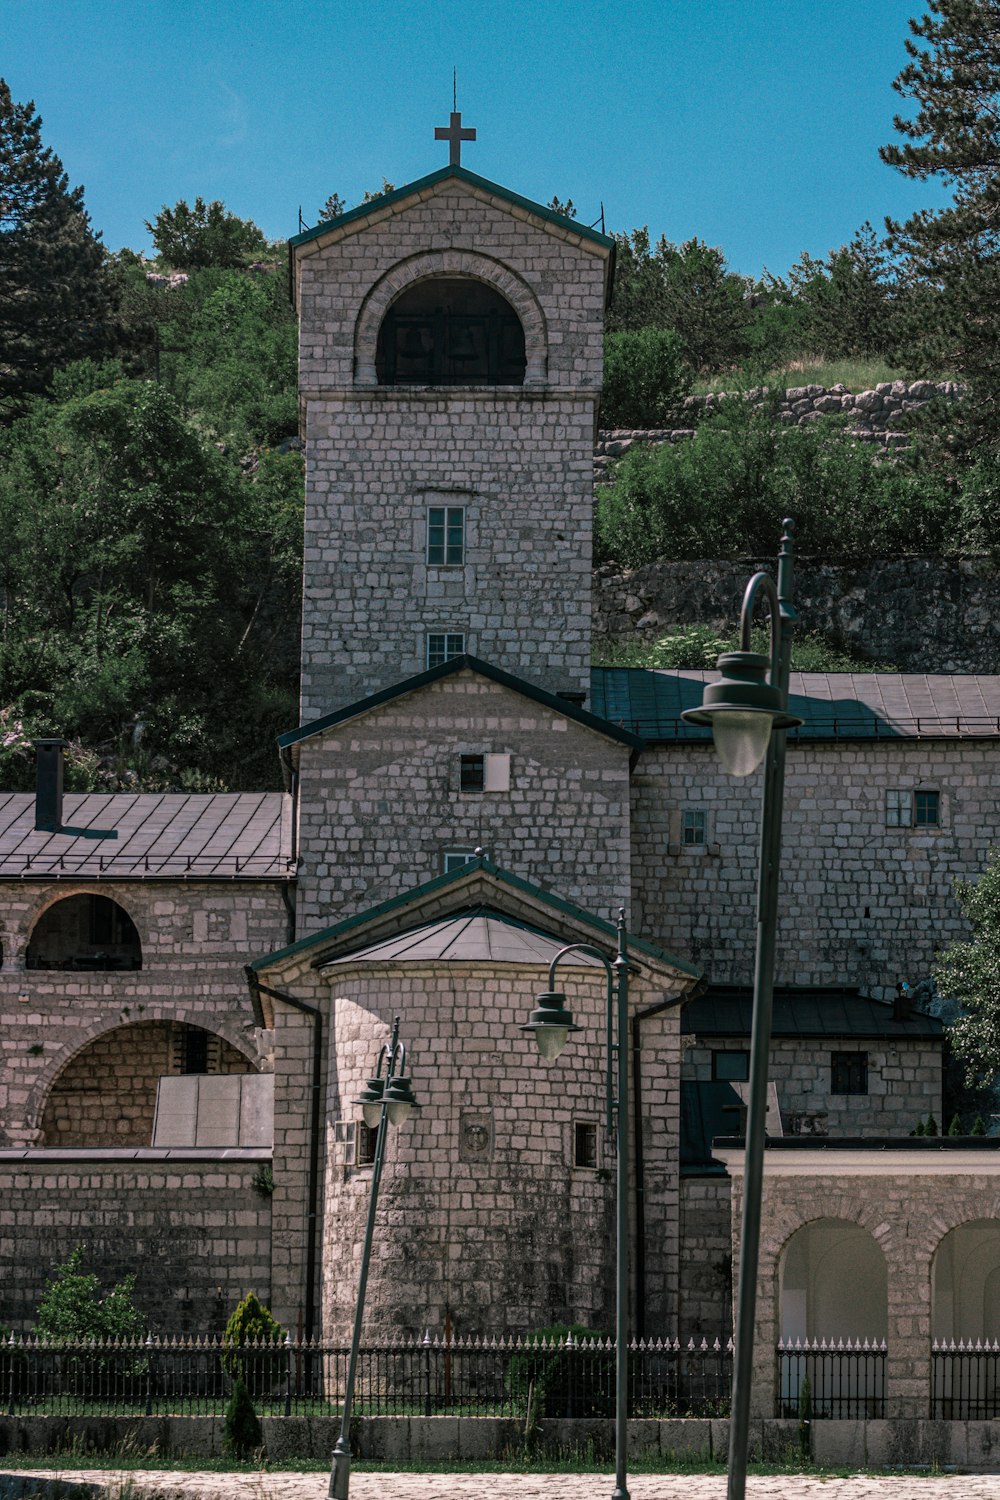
(584, 1144)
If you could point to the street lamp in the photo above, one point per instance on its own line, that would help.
(748, 714)
(552, 1023)
(385, 1100)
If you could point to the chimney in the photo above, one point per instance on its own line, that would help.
(49, 784)
(903, 1004)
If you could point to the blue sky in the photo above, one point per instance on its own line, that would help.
(753, 124)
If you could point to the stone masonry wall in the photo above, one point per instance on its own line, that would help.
(196, 939)
(380, 801)
(518, 458)
(484, 1218)
(904, 1084)
(922, 614)
(860, 904)
(705, 1269)
(195, 1233)
(879, 415)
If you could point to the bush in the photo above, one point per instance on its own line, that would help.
(250, 1357)
(645, 378)
(557, 1383)
(243, 1436)
(72, 1308)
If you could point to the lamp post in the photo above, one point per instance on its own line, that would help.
(551, 1023)
(747, 710)
(385, 1100)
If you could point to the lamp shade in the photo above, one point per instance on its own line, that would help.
(400, 1099)
(551, 1023)
(370, 1100)
(741, 709)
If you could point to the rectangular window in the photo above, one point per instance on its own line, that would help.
(848, 1072)
(443, 645)
(731, 1067)
(194, 1050)
(445, 535)
(693, 826)
(367, 1138)
(454, 859)
(898, 809)
(472, 773)
(927, 809)
(584, 1144)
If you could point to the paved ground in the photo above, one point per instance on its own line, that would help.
(537, 1486)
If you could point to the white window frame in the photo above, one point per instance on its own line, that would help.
(898, 808)
(455, 859)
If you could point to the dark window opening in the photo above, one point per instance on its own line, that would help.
(472, 773)
(584, 1145)
(926, 809)
(367, 1144)
(731, 1067)
(87, 932)
(848, 1072)
(450, 331)
(192, 1050)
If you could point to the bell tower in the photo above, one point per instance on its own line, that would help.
(450, 370)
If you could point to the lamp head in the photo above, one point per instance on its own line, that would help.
(370, 1100)
(741, 709)
(399, 1098)
(551, 1023)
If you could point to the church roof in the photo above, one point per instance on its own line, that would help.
(462, 174)
(562, 706)
(170, 835)
(725, 1011)
(834, 705)
(478, 935)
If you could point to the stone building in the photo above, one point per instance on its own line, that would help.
(201, 997)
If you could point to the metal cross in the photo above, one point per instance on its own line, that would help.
(454, 135)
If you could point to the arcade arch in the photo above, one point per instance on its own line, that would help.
(86, 931)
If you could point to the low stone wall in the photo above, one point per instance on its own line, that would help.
(922, 614)
(876, 416)
(194, 1231)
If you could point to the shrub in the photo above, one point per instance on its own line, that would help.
(645, 378)
(243, 1436)
(555, 1382)
(250, 1335)
(72, 1308)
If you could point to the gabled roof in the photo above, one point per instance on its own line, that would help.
(725, 1011)
(462, 174)
(448, 669)
(834, 705)
(479, 935)
(167, 836)
(480, 882)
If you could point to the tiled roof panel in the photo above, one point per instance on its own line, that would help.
(179, 835)
(478, 935)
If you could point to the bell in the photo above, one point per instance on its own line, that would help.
(413, 343)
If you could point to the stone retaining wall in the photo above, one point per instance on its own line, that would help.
(876, 416)
(922, 614)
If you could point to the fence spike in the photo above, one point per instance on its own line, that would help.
(716, 1346)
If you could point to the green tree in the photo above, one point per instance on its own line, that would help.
(645, 377)
(334, 206)
(251, 1338)
(684, 287)
(204, 235)
(969, 972)
(72, 1306)
(953, 254)
(56, 297)
(845, 303)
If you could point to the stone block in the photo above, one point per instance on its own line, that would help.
(838, 1444)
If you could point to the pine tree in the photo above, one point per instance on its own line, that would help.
(55, 293)
(953, 254)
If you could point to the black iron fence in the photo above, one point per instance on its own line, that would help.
(846, 1378)
(965, 1380)
(467, 1377)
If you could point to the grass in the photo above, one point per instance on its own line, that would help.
(809, 369)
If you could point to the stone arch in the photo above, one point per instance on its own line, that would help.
(132, 928)
(965, 1282)
(833, 1282)
(229, 1027)
(468, 263)
(104, 1093)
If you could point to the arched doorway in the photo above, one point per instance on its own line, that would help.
(84, 932)
(106, 1094)
(965, 1322)
(833, 1290)
(450, 330)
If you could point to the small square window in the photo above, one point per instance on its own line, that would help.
(731, 1067)
(444, 645)
(848, 1072)
(454, 859)
(693, 826)
(445, 535)
(584, 1144)
(898, 809)
(472, 773)
(367, 1139)
(927, 809)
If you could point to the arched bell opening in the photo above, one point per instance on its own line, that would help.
(450, 330)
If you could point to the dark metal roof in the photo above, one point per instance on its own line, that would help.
(176, 836)
(726, 1012)
(479, 935)
(707, 1110)
(834, 705)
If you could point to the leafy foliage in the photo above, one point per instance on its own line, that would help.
(56, 296)
(952, 255)
(205, 234)
(686, 288)
(845, 304)
(696, 648)
(241, 1425)
(969, 972)
(645, 377)
(72, 1307)
(544, 1375)
(250, 1325)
